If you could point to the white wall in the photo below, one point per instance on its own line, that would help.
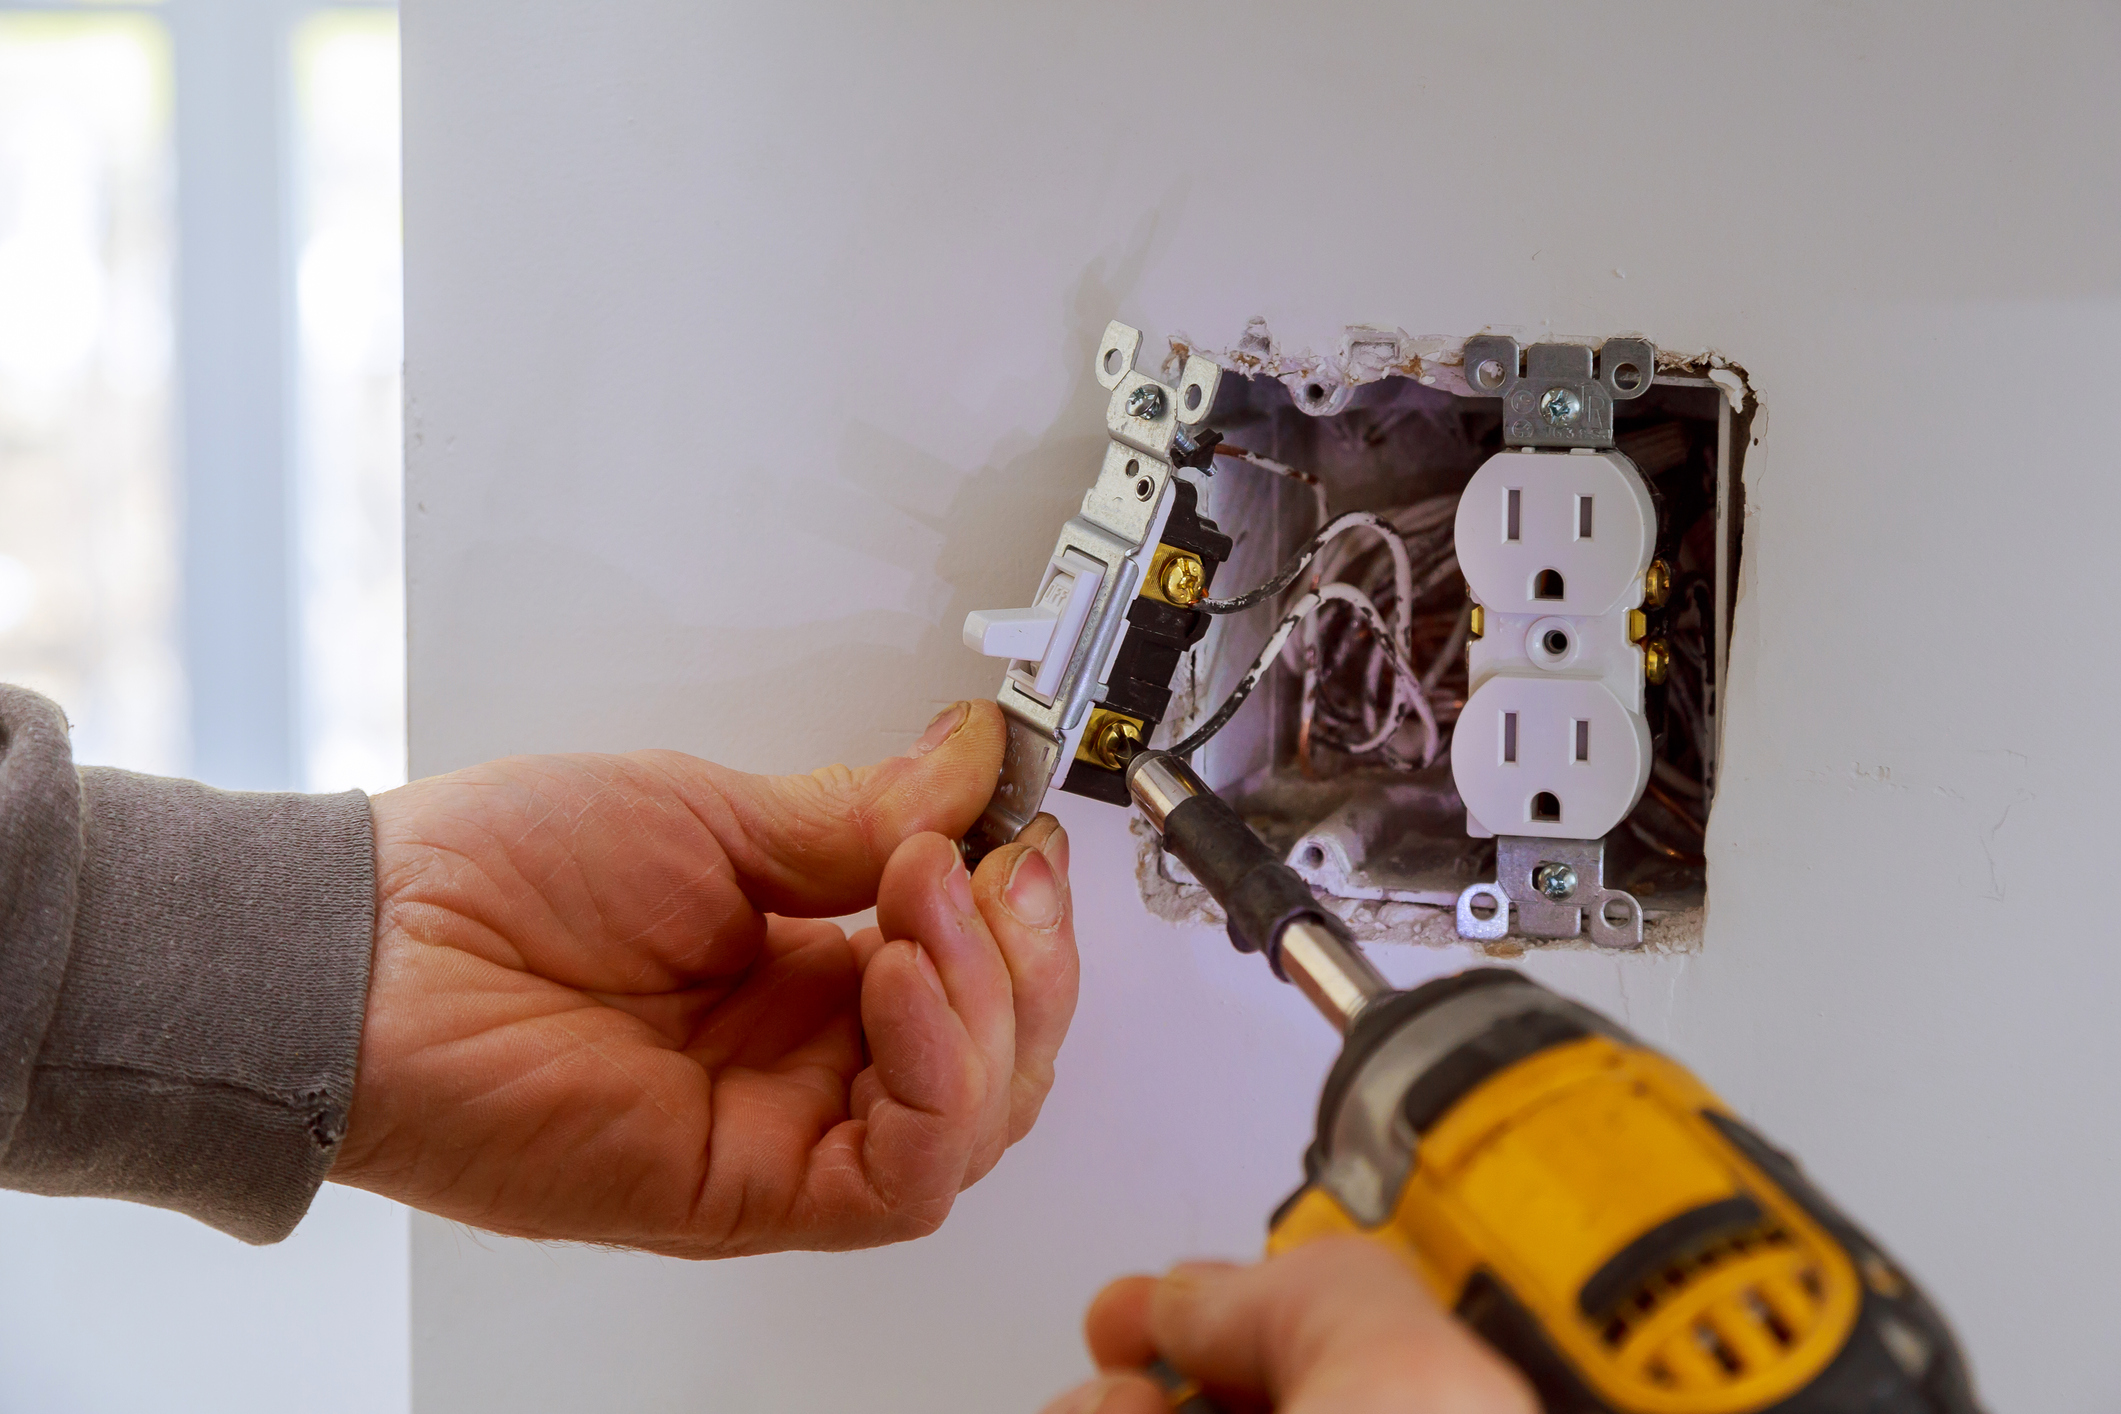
(748, 350)
(111, 1308)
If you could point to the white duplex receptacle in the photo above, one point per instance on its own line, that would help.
(1554, 545)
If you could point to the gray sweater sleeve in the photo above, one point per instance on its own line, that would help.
(183, 975)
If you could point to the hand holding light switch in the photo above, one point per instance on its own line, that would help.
(604, 1007)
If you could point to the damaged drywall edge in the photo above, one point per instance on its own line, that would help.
(1369, 354)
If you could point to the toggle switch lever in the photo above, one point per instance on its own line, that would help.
(1043, 636)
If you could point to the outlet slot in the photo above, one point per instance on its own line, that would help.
(1393, 830)
(1546, 808)
(1548, 584)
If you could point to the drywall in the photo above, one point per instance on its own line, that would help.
(748, 349)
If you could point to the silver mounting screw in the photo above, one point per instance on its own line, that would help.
(1556, 881)
(1146, 402)
(1560, 406)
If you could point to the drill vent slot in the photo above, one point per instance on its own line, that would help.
(1722, 1314)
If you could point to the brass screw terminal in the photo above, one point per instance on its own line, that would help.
(1181, 580)
(1657, 584)
(1656, 661)
(1113, 742)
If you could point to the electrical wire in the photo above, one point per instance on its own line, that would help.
(1198, 737)
(1666, 799)
(1452, 647)
(1304, 478)
(1237, 453)
(1301, 560)
(1374, 653)
(1677, 779)
(1671, 852)
(1405, 687)
(1297, 613)
(1356, 700)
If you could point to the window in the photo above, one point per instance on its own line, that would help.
(351, 700)
(88, 497)
(199, 516)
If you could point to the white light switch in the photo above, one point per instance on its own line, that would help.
(1043, 636)
(1011, 633)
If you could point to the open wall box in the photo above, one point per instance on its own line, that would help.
(1579, 594)
(1378, 833)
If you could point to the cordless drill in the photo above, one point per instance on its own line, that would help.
(1582, 1202)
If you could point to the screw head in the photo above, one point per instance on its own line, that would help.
(1657, 584)
(1181, 580)
(1656, 661)
(1556, 881)
(1489, 374)
(1560, 406)
(1115, 742)
(1146, 402)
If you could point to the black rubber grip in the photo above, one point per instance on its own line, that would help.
(1259, 894)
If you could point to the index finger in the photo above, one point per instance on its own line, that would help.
(815, 846)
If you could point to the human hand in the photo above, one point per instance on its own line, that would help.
(1335, 1326)
(598, 1011)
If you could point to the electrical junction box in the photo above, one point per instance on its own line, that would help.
(1493, 710)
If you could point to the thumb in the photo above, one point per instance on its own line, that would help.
(814, 846)
(1340, 1324)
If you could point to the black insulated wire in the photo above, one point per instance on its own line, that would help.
(1286, 575)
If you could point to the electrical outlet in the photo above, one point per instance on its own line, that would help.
(1554, 546)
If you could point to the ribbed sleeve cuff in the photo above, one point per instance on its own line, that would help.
(201, 1054)
(40, 858)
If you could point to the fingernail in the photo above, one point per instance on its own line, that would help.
(1056, 851)
(1032, 894)
(946, 721)
(958, 884)
(927, 967)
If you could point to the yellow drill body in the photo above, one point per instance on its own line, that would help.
(1547, 1169)
(1581, 1201)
